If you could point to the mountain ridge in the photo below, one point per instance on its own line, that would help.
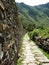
(35, 14)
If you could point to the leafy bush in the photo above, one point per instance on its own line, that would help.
(43, 33)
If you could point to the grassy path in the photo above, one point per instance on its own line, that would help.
(31, 55)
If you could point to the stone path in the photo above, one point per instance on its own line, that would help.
(31, 54)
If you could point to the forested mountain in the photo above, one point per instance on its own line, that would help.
(34, 14)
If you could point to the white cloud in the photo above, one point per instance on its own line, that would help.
(33, 2)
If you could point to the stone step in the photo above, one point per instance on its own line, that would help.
(44, 63)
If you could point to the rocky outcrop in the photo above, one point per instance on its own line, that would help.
(10, 32)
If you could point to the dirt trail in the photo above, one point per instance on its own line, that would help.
(31, 54)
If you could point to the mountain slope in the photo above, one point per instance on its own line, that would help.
(35, 14)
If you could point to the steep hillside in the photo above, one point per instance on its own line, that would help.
(36, 14)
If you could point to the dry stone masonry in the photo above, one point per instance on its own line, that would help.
(10, 32)
(43, 43)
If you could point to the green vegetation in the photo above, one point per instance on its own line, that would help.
(35, 16)
(43, 33)
(19, 61)
(45, 53)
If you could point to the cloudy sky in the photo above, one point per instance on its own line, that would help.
(33, 2)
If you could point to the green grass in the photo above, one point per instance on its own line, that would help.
(43, 33)
(19, 61)
(45, 53)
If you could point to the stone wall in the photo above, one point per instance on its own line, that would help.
(43, 43)
(10, 32)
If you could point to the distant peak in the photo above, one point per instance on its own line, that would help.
(21, 3)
